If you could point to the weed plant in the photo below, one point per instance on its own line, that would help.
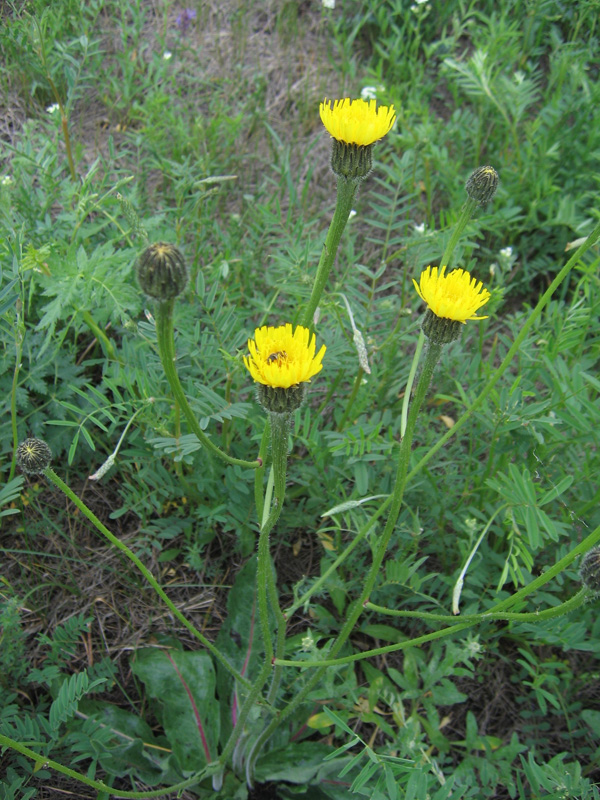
(130, 123)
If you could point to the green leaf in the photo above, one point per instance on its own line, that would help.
(384, 632)
(592, 718)
(133, 750)
(70, 693)
(296, 763)
(557, 490)
(350, 504)
(9, 493)
(183, 685)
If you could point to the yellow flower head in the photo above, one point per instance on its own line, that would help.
(356, 121)
(454, 296)
(281, 358)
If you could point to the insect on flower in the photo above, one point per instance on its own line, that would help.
(276, 356)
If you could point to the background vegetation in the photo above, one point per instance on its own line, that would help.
(200, 126)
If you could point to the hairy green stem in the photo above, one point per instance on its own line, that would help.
(521, 616)
(42, 761)
(166, 348)
(64, 123)
(431, 359)
(13, 399)
(259, 475)
(266, 669)
(346, 192)
(279, 425)
(470, 620)
(52, 476)
(466, 213)
(280, 639)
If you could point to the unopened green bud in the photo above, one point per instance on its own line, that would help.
(281, 401)
(33, 456)
(482, 185)
(351, 161)
(161, 271)
(590, 569)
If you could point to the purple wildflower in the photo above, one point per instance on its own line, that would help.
(184, 19)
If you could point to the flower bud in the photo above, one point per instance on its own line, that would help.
(161, 271)
(33, 456)
(590, 569)
(482, 185)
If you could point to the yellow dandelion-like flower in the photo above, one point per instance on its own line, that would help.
(356, 121)
(281, 358)
(455, 296)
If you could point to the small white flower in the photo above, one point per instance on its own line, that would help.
(167, 55)
(51, 109)
(506, 252)
(328, 3)
(419, 228)
(352, 214)
(493, 268)
(473, 647)
(7, 180)
(370, 92)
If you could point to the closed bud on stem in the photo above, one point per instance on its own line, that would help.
(482, 185)
(161, 271)
(33, 456)
(590, 569)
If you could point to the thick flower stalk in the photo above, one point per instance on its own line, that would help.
(481, 188)
(282, 360)
(162, 274)
(354, 125)
(464, 308)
